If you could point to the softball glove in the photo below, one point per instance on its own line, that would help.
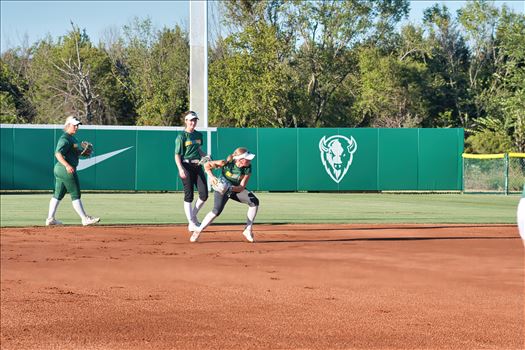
(205, 160)
(87, 149)
(222, 186)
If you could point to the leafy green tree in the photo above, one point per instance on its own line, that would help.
(291, 63)
(330, 32)
(42, 77)
(157, 72)
(73, 77)
(511, 37)
(170, 74)
(252, 85)
(490, 137)
(14, 85)
(316, 47)
(479, 19)
(392, 90)
(497, 74)
(252, 81)
(8, 92)
(448, 63)
(8, 112)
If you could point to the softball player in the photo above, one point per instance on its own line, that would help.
(237, 169)
(67, 153)
(188, 153)
(521, 217)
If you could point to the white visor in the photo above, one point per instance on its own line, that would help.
(191, 115)
(72, 120)
(245, 155)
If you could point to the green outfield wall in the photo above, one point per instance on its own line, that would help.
(338, 159)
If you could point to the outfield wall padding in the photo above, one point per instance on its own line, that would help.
(142, 158)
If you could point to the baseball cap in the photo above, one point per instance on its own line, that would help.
(191, 115)
(245, 155)
(72, 120)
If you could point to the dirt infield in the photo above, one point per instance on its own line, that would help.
(298, 287)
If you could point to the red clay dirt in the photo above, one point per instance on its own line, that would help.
(298, 287)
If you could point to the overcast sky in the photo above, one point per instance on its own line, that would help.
(25, 22)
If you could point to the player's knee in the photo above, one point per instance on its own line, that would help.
(203, 198)
(188, 197)
(254, 201)
(75, 196)
(216, 211)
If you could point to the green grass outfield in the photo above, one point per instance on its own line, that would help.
(166, 208)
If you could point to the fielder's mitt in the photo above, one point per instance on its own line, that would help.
(205, 160)
(87, 149)
(222, 186)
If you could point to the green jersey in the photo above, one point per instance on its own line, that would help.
(187, 145)
(234, 174)
(68, 147)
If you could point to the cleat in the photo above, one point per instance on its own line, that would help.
(193, 226)
(89, 220)
(52, 222)
(196, 222)
(195, 236)
(248, 234)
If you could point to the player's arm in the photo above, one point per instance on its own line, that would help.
(178, 161)
(214, 164)
(64, 162)
(64, 147)
(243, 184)
(178, 157)
(202, 153)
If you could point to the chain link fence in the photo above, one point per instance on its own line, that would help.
(493, 173)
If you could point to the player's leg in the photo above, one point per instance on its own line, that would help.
(53, 206)
(202, 187)
(58, 194)
(219, 202)
(521, 220)
(188, 184)
(73, 187)
(252, 201)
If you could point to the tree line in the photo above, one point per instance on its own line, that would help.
(291, 63)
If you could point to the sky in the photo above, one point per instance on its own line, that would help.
(25, 22)
(29, 21)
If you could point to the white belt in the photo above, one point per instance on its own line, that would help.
(192, 161)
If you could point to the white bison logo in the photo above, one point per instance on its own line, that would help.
(337, 153)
